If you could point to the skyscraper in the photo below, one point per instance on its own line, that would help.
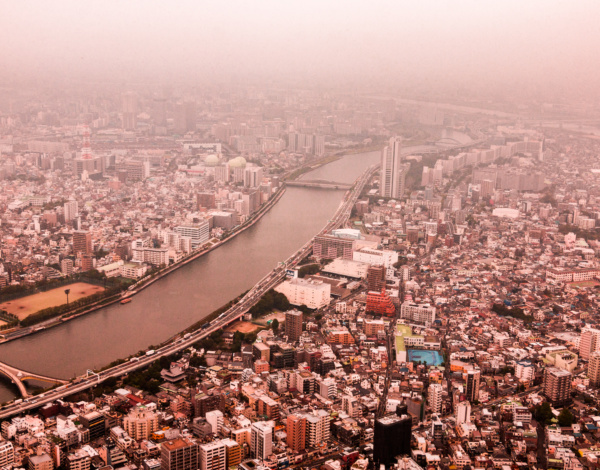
(293, 324)
(473, 378)
(392, 438)
(393, 171)
(129, 100)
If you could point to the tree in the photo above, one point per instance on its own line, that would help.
(275, 325)
(566, 418)
(543, 413)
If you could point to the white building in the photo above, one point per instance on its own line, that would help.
(435, 398)
(213, 456)
(463, 413)
(215, 419)
(423, 313)
(313, 294)
(524, 371)
(393, 172)
(371, 256)
(199, 233)
(261, 439)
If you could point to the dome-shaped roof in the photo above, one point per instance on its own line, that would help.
(237, 162)
(211, 160)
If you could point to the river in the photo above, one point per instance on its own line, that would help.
(191, 292)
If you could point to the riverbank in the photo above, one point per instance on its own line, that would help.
(143, 284)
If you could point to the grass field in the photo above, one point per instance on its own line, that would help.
(25, 306)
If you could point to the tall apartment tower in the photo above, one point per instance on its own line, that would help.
(473, 378)
(213, 456)
(594, 369)
(376, 278)
(435, 398)
(293, 324)
(557, 386)
(130, 103)
(82, 242)
(393, 171)
(589, 342)
(261, 439)
(70, 210)
(179, 454)
(296, 432)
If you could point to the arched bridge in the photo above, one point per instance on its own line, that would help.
(324, 184)
(17, 376)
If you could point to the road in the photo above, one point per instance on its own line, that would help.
(236, 312)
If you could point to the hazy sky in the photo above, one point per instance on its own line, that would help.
(534, 42)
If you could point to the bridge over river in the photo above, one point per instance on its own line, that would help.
(323, 184)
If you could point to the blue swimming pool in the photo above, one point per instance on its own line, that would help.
(431, 358)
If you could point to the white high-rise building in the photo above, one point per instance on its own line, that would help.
(215, 419)
(393, 171)
(70, 210)
(213, 456)
(261, 439)
(435, 398)
(463, 413)
(589, 342)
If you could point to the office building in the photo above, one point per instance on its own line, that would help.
(261, 439)
(296, 432)
(199, 233)
(213, 456)
(82, 242)
(393, 171)
(293, 324)
(557, 386)
(594, 369)
(473, 379)
(179, 454)
(391, 439)
(93, 421)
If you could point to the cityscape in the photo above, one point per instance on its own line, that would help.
(313, 235)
